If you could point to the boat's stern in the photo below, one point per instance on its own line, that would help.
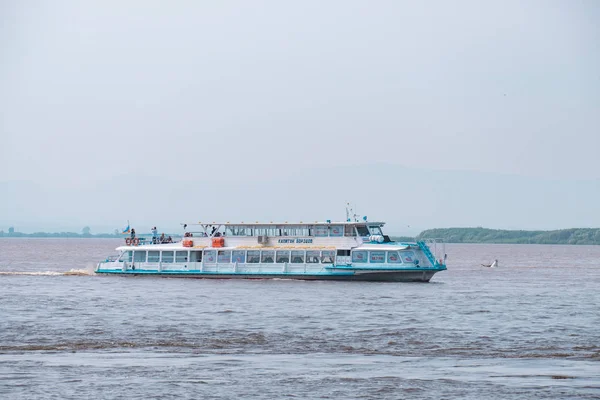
(110, 265)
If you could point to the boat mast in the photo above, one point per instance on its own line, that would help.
(350, 214)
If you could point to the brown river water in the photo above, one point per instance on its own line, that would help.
(527, 329)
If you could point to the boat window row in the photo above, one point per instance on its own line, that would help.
(301, 231)
(271, 256)
(233, 256)
(155, 256)
(380, 257)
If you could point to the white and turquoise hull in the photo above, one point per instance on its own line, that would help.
(270, 271)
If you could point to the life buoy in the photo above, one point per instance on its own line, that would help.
(135, 241)
(128, 241)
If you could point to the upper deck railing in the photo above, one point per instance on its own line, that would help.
(296, 229)
(137, 241)
(434, 248)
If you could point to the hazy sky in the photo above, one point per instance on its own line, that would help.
(190, 92)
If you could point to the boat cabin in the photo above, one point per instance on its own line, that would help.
(316, 229)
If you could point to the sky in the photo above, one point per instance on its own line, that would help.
(168, 112)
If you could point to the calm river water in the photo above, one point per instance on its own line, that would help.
(528, 329)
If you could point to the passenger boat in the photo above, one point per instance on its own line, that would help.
(351, 250)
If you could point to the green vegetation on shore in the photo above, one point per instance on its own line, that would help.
(483, 235)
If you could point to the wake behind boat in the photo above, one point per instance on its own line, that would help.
(320, 250)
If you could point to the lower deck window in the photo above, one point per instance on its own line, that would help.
(139, 256)
(253, 256)
(377, 257)
(181, 256)
(238, 256)
(210, 256)
(393, 257)
(408, 256)
(327, 256)
(312, 257)
(167, 256)
(283, 257)
(359, 256)
(297, 257)
(224, 256)
(267, 256)
(153, 256)
(196, 256)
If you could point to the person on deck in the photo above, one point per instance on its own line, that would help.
(162, 238)
(132, 233)
(154, 235)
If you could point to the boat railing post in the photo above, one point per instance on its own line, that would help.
(235, 266)
(444, 251)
